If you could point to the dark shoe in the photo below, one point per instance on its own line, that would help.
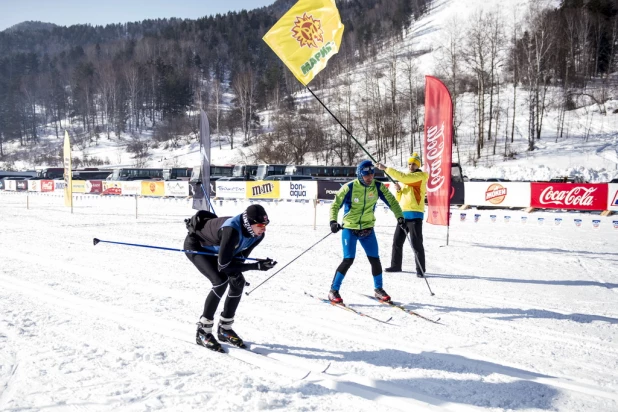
(205, 338)
(381, 294)
(225, 333)
(392, 269)
(335, 297)
(419, 275)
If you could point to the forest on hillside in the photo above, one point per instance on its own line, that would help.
(155, 75)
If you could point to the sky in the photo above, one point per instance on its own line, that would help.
(69, 12)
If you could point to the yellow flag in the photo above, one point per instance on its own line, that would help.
(68, 181)
(306, 37)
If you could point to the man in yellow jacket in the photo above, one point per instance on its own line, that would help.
(411, 197)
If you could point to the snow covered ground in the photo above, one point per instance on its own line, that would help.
(529, 315)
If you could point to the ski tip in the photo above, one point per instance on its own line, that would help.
(95, 241)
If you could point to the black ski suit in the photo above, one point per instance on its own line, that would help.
(221, 236)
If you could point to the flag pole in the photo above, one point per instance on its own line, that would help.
(347, 131)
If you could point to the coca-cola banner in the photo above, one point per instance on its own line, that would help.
(569, 196)
(438, 150)
(47, 185)
(612, 197)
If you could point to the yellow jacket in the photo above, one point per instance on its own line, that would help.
(411, 198)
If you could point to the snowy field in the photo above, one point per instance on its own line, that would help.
(529, 315)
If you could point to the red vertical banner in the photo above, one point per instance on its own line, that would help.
(438, 153)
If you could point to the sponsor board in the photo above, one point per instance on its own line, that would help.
(21, 185)
(177, 188)
(573, 196)
(596, 223)
(94, 186)
(578, 222)
(79, 186)
(477, 217)
(498, 194)
(615, 223)
(263, 190)
(59, 185)
(111, 188)
(132, 188)
(298, 190)
(10, 185)
(613, 197)
(34, 185)
(231, 190)
(47, 185)
(558, 221)
(328, 190)
(152, 188)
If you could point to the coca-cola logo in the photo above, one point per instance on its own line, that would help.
(434, 152)
(577, 196)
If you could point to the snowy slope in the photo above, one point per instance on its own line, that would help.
(529, 315)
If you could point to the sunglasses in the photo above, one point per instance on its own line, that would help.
(260, 225)
(367, 171)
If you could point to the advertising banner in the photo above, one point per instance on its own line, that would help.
(131, 188)
(111, 188)
(79, 186)
(177, 188)
(68, 186)
(263, 190)
(34, 185)
(438, 150)
(574, 196)
(497, 194)
(94, 186)
(10, 185)
(298, 190)
(152, 188)
(328, 190)
(231, 190)
(59, 185)
(21, 185)
(47, 185)
(612, 198)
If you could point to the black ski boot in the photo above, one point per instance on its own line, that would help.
(204, 336)
(381, 294)
(227, 334)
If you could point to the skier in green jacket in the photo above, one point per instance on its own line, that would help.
(359, 199)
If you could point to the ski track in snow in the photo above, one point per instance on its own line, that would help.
(529, 316)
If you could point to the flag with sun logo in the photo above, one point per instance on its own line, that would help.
(306, 37)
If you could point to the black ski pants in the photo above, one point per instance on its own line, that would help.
(415, 227)
(208, 266)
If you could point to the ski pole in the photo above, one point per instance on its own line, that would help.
(418, 262)
(96, 241)
(306, 250)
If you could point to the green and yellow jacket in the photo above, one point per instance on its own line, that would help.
(359, 203)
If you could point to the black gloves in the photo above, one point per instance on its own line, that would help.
(334, 226)
(264, 264)
(402, 224)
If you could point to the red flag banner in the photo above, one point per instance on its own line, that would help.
(438, 153)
